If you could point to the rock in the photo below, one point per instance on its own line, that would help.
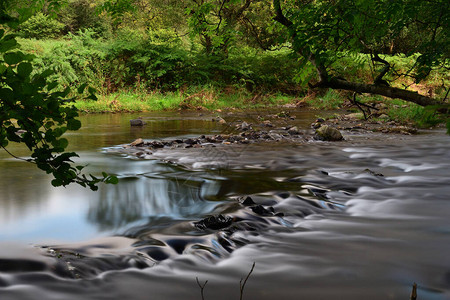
(244, 126)
(373, 173)
(316, 125)
(137, 122)
(384, 117)
(137, 142)
(293, 130)
(260, 210)
(381, 106)
(268, 123)
(214, 222)
(327, 133)
(220, 120)
(246, 201)
(190, 141)
(355, 116)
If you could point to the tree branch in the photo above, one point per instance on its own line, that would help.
(279, 16)
(382, 90)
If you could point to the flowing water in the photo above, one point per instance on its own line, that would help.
(359, 219)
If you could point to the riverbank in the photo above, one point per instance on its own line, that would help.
(369, 110)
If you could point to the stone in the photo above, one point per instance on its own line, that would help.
(267, 123)
(243, 126)
(214, 222)
(262, 211)
(328, 133)
(316, 125)
(137, 142)
(137, 122)
(293, 130)
(355, 116)
(246, 201)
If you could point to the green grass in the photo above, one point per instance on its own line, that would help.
(330, 100)
(421, 117)
(200, 98)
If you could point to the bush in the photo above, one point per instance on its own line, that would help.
(141, 60)
(81, 15)
(41, 26)
(75, 60)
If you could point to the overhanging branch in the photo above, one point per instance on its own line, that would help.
(325, 81)
(387, 91)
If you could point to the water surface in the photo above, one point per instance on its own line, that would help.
(364, 218)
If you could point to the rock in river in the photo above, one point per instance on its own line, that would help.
(137, 122)
(328, 133)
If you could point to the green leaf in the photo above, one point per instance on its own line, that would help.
(81, 88)
(24, 69)
(73, 124)
(112, 179)
(13, 58)
(7, 44)
(57, 182)
(62, 143)
(52, 85)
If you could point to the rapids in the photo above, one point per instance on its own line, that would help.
(360, 219)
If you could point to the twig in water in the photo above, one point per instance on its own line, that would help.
(242, 285)
(202, 287)
(414, 292)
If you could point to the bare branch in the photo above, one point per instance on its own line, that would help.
(242, 285)
(202, 287)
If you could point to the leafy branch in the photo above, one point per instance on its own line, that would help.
(36, 111)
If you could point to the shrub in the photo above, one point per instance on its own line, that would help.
(41, 26)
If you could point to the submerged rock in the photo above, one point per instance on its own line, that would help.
(246, 201)
(137, 122)
(293, 130)
(214, 222)
(328, 133)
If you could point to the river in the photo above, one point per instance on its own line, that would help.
(360, 219)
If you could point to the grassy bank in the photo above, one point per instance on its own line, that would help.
(132, 101)
(212, 99)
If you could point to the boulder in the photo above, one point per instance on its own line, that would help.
(328, 133)
(214, 222)
(137, 122)
(137, 142)
(293, 130)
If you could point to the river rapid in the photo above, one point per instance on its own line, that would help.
(364, 218)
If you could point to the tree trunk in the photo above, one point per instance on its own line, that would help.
(326, 81)
(382, 90)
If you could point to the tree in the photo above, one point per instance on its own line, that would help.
(322, 32)
(37, 112)
(215, 21)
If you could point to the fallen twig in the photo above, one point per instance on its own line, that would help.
(242, 285)
(414, 292)
(202, 287)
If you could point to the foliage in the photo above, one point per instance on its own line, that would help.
(152, 60)
(80, 15)
(33, 111)
(40, 26)
(354, 26)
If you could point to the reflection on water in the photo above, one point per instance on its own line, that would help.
(138, 198)
(361, 219)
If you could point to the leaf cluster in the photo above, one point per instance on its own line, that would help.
(33, 111)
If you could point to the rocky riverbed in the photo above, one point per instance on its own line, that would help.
(281, 127)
